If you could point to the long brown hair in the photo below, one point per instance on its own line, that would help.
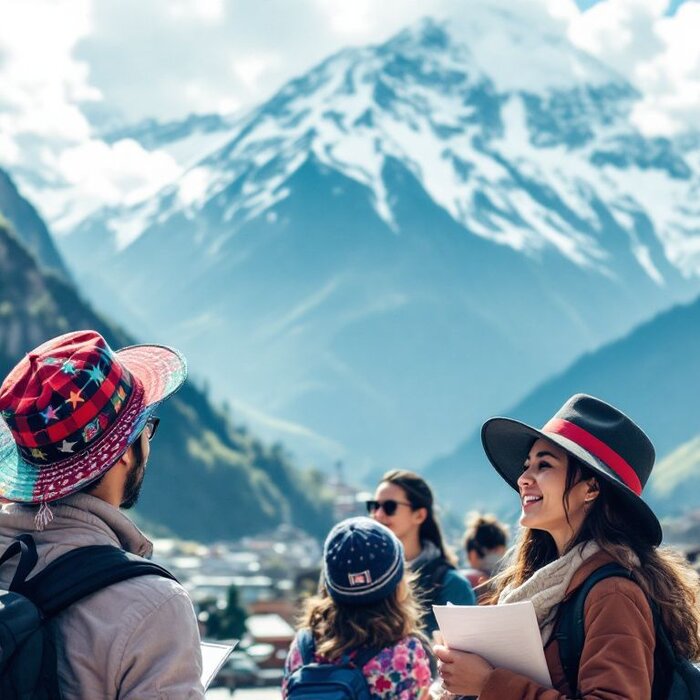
(420, 495)
(662, 573)
(338, 628)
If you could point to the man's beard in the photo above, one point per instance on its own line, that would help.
(134, 481)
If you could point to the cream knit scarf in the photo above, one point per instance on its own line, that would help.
(547, 587)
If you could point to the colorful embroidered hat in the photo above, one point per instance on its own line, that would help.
(71, 407)
(362, 561)
(596, 433)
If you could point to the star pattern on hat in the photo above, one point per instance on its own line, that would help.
(49, 414)
(96, 375)
(75, 399)
(91, 430)
(37, 453)
(68, 367)
(117, 402)
(51, 361)
(67, 447)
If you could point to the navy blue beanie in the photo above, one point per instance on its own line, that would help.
(363, 561)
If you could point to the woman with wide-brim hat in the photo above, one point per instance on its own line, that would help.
(580, 480)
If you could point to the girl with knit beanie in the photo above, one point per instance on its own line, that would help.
(365, 608)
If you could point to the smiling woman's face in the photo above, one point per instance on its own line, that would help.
(542, 486)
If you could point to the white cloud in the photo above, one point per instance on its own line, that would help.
(202, 10)
(660, 55)
(96, 174)
(251, 69)
(167, 58)
(105, 172)
(43, 129)
(40, 82)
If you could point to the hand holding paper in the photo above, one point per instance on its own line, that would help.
(507, 636)
(462, 673)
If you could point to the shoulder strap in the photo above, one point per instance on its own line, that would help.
(432, 575)
(364, 655)
(570, 626)
(306, 645)
(26, 548)
(83, 571)
(307, 649)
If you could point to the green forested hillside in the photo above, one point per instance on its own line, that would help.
(677, 476)
(22, 216)
(206, 479)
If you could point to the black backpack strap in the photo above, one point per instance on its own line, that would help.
(364, 655)
(26, 548)
(431, 576)
(83, 571)
(307, 649)
(570, 623)
(306, 645)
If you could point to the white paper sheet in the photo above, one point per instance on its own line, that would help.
(507, 636)
(213, 658)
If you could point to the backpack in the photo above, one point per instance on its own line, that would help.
(675, 678)
(338, 681)
(432, 576)
(27, 651)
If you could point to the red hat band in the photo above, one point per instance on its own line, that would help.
(603, 452)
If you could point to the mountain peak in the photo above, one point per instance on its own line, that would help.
(428, 33)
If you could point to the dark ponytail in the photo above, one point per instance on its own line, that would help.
(484, 533)
(419, 495)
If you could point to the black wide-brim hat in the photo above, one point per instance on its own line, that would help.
(596, 433)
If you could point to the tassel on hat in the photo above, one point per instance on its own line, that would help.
(43, 516)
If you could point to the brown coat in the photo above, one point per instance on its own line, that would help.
(617, 662)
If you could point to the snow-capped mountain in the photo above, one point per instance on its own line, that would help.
(409, 236)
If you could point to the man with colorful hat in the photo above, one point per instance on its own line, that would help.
(76, 419)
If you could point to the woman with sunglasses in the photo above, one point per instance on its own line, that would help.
(403, 502)
(580, 480)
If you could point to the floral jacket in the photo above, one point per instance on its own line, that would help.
(400, 672)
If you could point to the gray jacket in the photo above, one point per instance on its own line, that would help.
(135, 639)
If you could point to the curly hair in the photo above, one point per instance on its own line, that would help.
(662, 573)
(338, 628)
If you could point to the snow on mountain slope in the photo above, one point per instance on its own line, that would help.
(369, 253)
(478, 133)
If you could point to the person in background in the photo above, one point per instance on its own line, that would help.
(580, 480)
(365, 604)
(485, 542)
(404, 503)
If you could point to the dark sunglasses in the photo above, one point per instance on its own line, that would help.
(389, 506)
(151, 426)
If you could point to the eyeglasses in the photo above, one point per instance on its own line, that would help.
(389, 506)
(151, 426)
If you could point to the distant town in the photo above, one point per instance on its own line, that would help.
(266, 577)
